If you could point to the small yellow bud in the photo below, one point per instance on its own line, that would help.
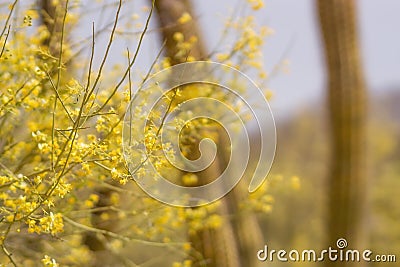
(190, 179)
(185, 18)
(178, 36)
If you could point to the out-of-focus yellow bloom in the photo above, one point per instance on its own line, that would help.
(47, 261)
(295, 182)
(178, 36)
(256, 4)
(190, 179)
(185, 18)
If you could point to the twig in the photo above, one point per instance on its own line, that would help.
(133, 60)
(117, 236)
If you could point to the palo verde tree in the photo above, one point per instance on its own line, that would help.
(66, 194)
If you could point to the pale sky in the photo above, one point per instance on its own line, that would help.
(296, 38)
(294, 22)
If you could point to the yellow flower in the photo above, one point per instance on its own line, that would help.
(214, 221)
(114, 173)
(187, 247)
(256, 4)
(222, 57)
(268, 94)
(185, 18)
(295, 182)
(48, 261)
(190, 179)
(178, 36)
(166, 63)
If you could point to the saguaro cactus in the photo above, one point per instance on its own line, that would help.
(52, 19)
(346, 99)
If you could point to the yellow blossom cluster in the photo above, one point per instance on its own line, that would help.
(184, 45)
(63, 178)
(247, 49)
